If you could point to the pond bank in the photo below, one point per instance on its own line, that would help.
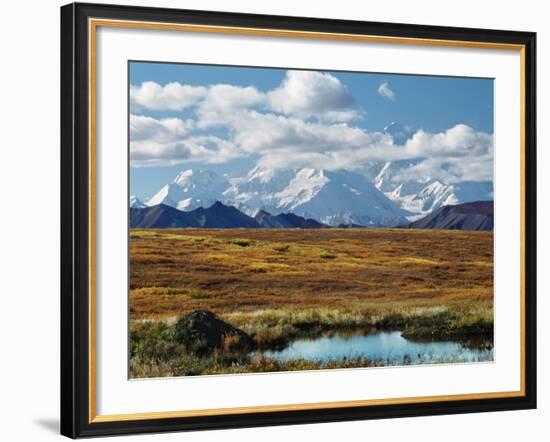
(305, 342)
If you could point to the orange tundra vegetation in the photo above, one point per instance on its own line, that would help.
(243, 275)
(277, 285)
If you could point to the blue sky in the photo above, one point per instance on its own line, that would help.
(358, 106)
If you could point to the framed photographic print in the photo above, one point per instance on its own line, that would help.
(279, 220)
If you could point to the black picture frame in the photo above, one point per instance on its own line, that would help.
(75, 220)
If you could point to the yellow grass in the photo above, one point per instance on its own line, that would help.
(243, 273)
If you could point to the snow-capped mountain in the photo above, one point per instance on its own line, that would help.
(399, 133)
(339, 197)
(191, 189)
(425, 195)
(258, 189)
(389, 176)
(376, 196)
(434, 194)
(333, 198)
(431, 197)
(378, 193)
(136, 203)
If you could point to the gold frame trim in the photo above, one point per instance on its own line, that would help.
(93, 24)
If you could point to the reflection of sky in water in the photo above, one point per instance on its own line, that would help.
(380, 346)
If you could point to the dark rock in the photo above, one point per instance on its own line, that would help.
(202, 332)
(286, 221)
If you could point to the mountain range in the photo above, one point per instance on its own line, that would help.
(468, 216)
(377, 195)
(217, 216)
(286, 221)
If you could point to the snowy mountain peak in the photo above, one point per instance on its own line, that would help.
(136, 203)
(184, 174)
(262, 174)
(374, 197)
(191, 189)
(434, 187)
(256, 187)
(398, 132)
(431, 196)
(168, 195)
(189, 179)
(379, 180)
(302, 188)
(393, 125)
(309, 173)
(337, 197)
(395, 193)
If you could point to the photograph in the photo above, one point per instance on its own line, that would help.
(285, 219)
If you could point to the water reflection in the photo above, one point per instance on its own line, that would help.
(388, 348)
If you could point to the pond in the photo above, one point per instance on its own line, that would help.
(388, 348)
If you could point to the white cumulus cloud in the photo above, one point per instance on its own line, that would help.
(168, 141)
(457, 154)
(223, 102)
(312, 94)
(166, 129)
(385, 91)
(173, 96)
(307, 121)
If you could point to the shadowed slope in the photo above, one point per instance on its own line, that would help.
(469, 216)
